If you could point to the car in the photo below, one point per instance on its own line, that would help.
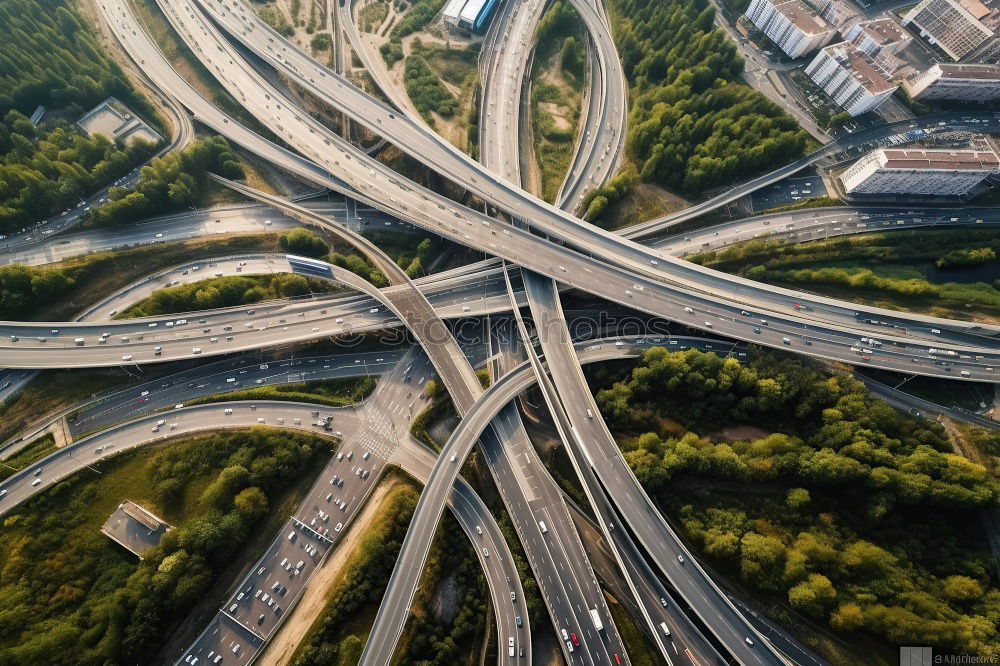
(663, 602)
(260, 620)
(756, 330)
(866, 358)
(749, 641)
(486, 553)
(518, 621)
(680, 558)
(573, 638)
(339, 527)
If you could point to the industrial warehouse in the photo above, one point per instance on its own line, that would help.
(468, 15)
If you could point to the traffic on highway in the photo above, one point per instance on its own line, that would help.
(604, 559)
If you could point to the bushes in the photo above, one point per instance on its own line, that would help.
(436, 637)
(169, 182)
(691, 127)
(902, 258)
(573, 57)
(224, 292)
(416, 19)
(303, 242)
(425, 89)
(598, 199)
(74, 597)
(307, 243)
(966, 257)
(321, 42)
(392, 52)
(846, 493)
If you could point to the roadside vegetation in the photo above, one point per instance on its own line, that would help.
(75, 597)
(415, 257)
(372, 14)
(340, 392)
(816, 497)
(49, 168)
(558, 78)
(441, 82)
(226, 291)
(31, 453)
(60, 291)
(171, 182)
(691, 127)
(417, 17)
(904, 270)
(425, 89)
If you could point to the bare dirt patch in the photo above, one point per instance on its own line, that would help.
(559, 120)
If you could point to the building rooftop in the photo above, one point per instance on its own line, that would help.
(975, 7)
(968, 71)
(940, 159)
(802, 17)
(134, 528)
(884, 31)
(860, 66)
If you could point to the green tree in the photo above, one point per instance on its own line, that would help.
(251, 503)
(304, 242)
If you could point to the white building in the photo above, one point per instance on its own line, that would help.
(452, 11)
(921, 171)
(880, 36)
(838, 13)
(958, 27)
(965, 82)
(792, 25)
(850, 77)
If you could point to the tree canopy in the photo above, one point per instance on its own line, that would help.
(833, 501)
(691, 125)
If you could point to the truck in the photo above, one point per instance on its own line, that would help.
(596, 617)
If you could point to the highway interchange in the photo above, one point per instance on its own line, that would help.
(603, 264)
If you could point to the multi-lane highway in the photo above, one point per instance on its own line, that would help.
(551, 266)
(426, 146)
(379, 426)
(650, 280)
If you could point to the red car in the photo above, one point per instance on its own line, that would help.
(573, 638)
(618, 659)
(866, 358)
(142, 400)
